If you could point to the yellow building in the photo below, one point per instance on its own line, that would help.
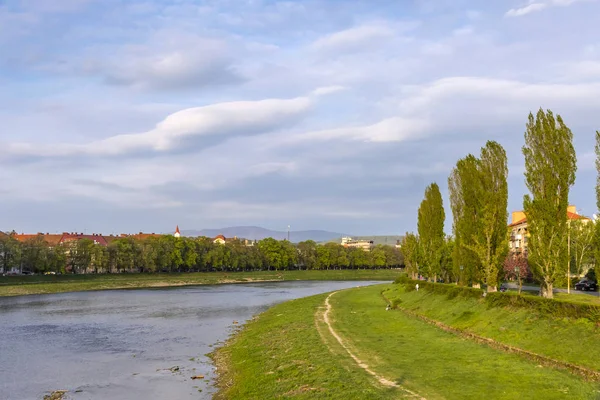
(518, 228)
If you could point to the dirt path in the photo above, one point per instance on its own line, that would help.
(382, 380)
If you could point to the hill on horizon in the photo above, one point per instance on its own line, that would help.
(258, 233)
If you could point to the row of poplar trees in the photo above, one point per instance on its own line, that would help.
(478, 192)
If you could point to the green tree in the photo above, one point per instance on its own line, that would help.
(272, 250)
(582, 245)
(378, 259)
(11, 251)
(430, 225)
(393, 257)
(447, 272)
(326, 255)
(34, 255)
(410, 250)
(289, 255)
(81, 255)
(189, 253)
(219, 257)
(358, 258)
(308, 254)
(100, 259)
(490, 241)
(57, 258)
(124, 254)
(147, 259)
(550, 166)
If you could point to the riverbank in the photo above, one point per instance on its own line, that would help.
(533, 330)
(45, 284)
(368, 352)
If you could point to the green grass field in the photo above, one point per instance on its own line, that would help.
(575, 341)
(43, 284)
(288, 351)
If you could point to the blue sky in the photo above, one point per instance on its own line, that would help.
(126, 116)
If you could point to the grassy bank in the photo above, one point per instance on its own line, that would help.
(288, 351)
(43, 284)
(571, 340)
(281, 353)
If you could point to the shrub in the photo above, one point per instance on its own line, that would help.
(549, 307)
(452, 291)
(403, 278)
(554, 308)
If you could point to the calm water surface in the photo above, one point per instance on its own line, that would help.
(120, 344)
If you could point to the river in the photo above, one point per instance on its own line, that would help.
(120, 344)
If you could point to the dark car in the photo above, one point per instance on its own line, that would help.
(586, 284)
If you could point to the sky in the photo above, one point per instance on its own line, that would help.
(139, 115)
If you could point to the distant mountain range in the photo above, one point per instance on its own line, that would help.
(258, 233)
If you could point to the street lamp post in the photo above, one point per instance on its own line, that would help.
(568, 255)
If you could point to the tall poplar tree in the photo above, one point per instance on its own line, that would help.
(430, 225)
(550, 166)
(464, 187)
(479, 199)
(490, 242)
(410, 251)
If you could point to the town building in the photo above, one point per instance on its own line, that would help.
(519, 234)
(365, 245)
(219, 239)
(72, 237)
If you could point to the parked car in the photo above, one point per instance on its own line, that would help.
(586, 284)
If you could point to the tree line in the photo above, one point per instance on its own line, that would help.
(170, 254)
(477, 253)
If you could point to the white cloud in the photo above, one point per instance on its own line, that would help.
(218, 121)
(167, 61)
(359, 38)
(403, 120)
(534, 6)
(437, 49)
(528, 9)
(325, 90)
(395, 129)
(521, 95)
(584, 69)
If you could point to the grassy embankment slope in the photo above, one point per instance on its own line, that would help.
(280, 353)
(572, 340)
(43, 284)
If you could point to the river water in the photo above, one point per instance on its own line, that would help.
(120, 344)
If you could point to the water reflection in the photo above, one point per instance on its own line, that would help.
(120, 344)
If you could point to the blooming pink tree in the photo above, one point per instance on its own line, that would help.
(516, 267)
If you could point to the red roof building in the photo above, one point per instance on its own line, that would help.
(519, 233)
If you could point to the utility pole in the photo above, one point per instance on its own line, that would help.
(288, 233)
(568, 255)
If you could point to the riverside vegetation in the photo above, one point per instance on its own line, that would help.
(167, 253)
(44, 284)
(478, 252)
(289, 350)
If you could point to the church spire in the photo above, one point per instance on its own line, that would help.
(177, 233)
